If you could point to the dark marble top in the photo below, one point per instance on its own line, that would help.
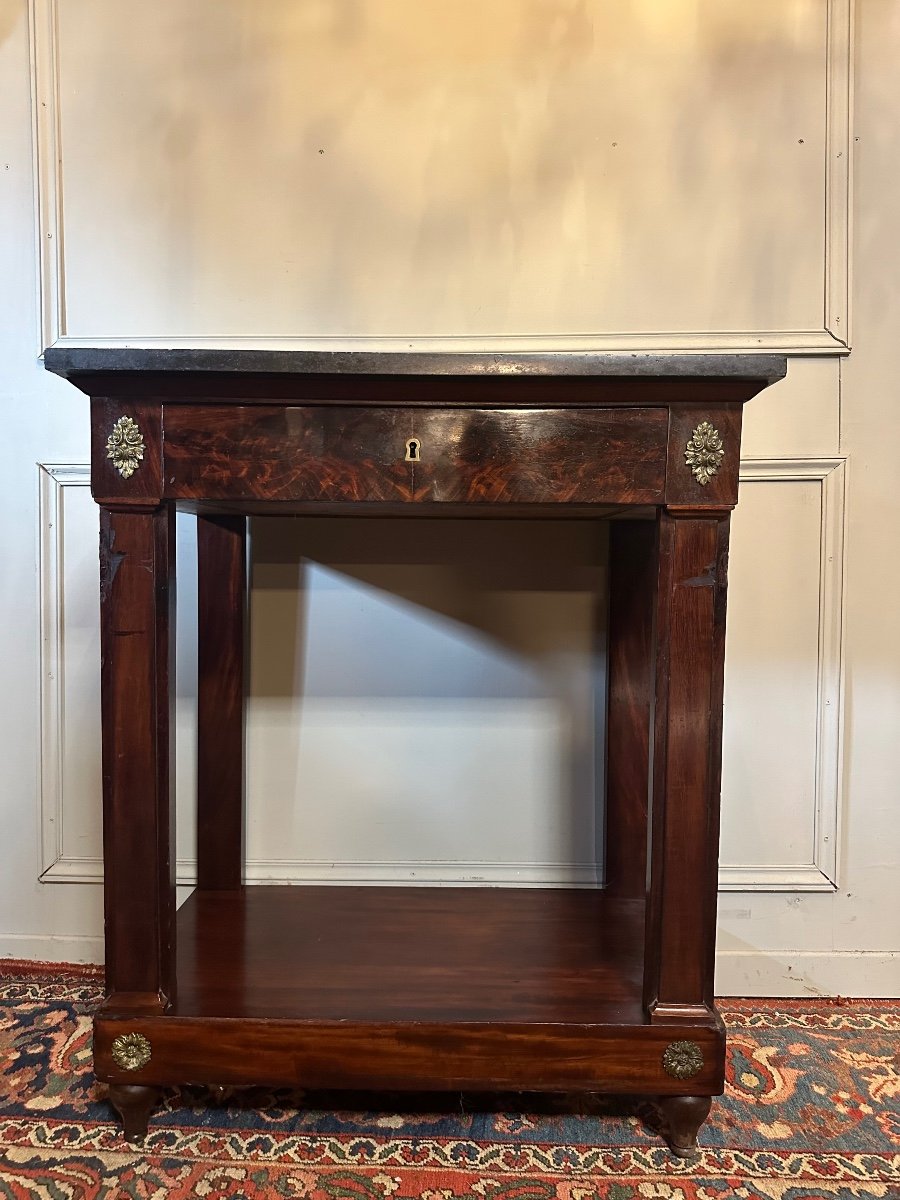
(71, 360)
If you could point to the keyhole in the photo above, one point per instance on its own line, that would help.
(412, 450)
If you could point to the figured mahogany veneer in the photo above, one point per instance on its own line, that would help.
(499, 456)
(396, 987)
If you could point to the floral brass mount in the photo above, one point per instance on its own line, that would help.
(704, 452)
(130, 1051)
(125, 446)
(682, 1060)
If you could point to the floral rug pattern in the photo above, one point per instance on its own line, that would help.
(811, 1112)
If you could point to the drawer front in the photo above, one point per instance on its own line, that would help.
(415, 455)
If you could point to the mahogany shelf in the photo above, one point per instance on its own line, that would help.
(410, 987)
(417, 954)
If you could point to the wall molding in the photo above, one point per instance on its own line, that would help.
(832, 338)
(69, 869)
(805, 342)
(820, 875)
(53, 481)
(838, 254)
(43, 18)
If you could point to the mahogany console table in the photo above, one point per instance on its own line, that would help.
(414, 987)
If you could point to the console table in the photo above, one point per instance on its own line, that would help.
(413, 987)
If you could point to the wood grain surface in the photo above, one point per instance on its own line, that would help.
(687, 746)
(630, 687)
(489, 456)
(137, 575)
(427, 1056)
(222, 597)
(401, 987)
(411, 953)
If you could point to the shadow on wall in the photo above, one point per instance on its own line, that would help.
(429, 691)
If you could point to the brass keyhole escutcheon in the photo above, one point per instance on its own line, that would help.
(413, 446)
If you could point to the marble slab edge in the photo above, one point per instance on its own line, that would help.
(73, 360)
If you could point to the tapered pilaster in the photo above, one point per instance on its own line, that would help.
(136, 605)
(686, 760)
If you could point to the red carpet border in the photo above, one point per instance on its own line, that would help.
(812, 1111)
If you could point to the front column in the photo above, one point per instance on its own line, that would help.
(137, 565)
(686, 762)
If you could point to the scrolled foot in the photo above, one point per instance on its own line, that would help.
(134, 1104)
(684, 1115)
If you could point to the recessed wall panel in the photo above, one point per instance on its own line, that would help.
(387, 169)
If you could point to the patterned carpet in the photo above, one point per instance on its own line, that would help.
(812, 1111)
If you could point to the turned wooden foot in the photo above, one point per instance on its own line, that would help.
(684, 1115)
(134, 1104)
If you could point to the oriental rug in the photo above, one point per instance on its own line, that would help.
(812, 1111)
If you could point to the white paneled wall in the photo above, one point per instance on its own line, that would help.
(783, 691)
(424, 700)
(572, 174)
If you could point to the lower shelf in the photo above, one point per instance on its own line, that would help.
(417, 988)
(411, 954)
